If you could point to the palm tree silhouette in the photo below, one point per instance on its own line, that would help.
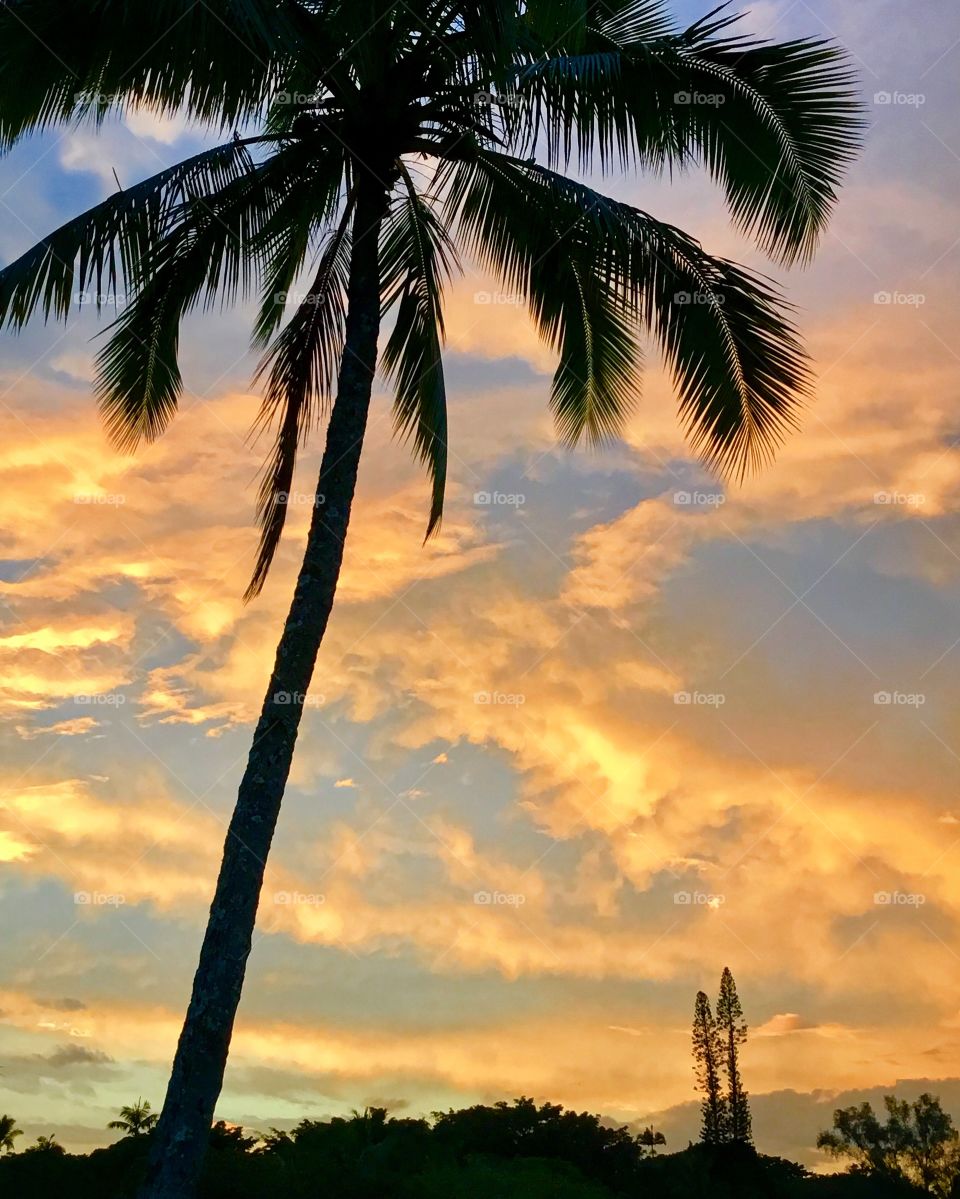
(8, 1133)
(47, 1144)
(388, 137)
(135, 1120)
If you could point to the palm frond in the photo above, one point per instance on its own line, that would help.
(596, 382)
(210, 250)
(548, 253)
(301, 370)
(776, 123)
(417, 257)
(727, 334)
(104, 248)
(220, 61)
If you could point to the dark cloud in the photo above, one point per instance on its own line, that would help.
(75, 1055)
(393, 1106)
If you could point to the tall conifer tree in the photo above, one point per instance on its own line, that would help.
(732, 1033)
(707, 1055)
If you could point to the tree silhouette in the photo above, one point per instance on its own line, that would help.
(732, 1031)
(349, 98)
(707, 1058)
(46, 1144)
(650, 1140)
(917, 1143)
(135, 1120)
(8, 1134)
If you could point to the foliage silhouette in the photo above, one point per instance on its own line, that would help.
(707, 1063)
(917, 1143)
(135, 1120)
(518, 1150)
(8, 1134)
(732, 1031)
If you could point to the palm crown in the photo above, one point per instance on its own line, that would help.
(466, 114)
(8, 1134)
(135, 1119)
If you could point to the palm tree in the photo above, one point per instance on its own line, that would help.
(383, 139)
(135, 1120)
(49, 1145)
(8, 1133)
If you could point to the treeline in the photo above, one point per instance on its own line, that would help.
(518, 1150)
(522, 1150)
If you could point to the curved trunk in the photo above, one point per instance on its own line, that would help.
(181, 1137)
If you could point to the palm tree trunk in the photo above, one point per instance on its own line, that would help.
(181, 1137)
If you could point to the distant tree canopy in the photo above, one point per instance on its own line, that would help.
(516, 1150)
(522, 1129)
(916, 1144)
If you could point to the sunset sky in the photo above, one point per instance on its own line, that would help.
(497, 713)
